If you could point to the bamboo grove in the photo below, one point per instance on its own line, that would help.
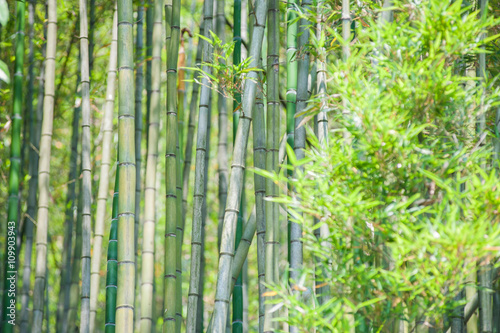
(250, 166)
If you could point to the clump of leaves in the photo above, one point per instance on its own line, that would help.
(226, 78)
(408, 201)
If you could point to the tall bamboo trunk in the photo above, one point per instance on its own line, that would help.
(321, 120)
(222, 159)
(259, 157)
(112, 263)
(193, 105)
(34, 137)
(102, 197)
(149, 55)
(272, 142)
(63, 303)
(291, 91)
(222, 292)
(44, 169)
(139, 57)
(10, 254)
(86, 170)
(126, 152)
(172, 319)
(199, 185)
(237, 322)
(148, 234)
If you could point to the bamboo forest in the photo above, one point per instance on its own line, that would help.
(250, 166)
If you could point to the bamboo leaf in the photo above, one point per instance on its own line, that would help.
(4, 13)
(4, 71)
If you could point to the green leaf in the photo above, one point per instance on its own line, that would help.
(4, 13)
(4, 71)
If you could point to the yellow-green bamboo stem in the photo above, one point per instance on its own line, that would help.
(148, 234)
(126, 152)
(222, 292)
(102, 196)
(44, 170)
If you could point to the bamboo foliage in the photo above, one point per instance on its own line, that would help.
(102, 196)
(10, 254)
(199, 182)
(222, 292)
(44, 170)
(127, 173)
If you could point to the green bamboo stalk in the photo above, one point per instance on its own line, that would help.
(74, 292)
(199, 185)
(102, 196)
(259, 157)
(10, 277)
(171, 319)
(126, 153)
(34, 137)
(291, 87)
(148, 241)
(237, 322)
(485, 269)
(272, 141)
(112, 263)
(86, 170)
(149, 55)
(191, 127)
(63, 303)
(139, 56)
(44, 169)
(222, 293)
(321, 120)
(222, 158)
(138, 160)
(296, 257)
(91, 36)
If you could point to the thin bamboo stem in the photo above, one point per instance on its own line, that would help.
(126, 152)
(112, 263)
(102, 196)
(139, 78)
(199, 185)
(44, 170)
(222, 293)
(34, 137)
(86, 170)
(11, 248)
(148, 241)
(173, 178)
(272, 142)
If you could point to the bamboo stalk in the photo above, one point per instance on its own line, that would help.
(321, 119)
(34, 136)
(74, 292)
(291, 89)
(259, 153)
(149, 55)
(44, 169)
(126, 153)
(112, 263)
(139, 77)
(10, 256)
(173, 177)
(191, 127)
(64, 298)
(222, 293)
(199, 186)
(102, 196)
(272, 142)
(148, 241)
(222, 158)
(86, 170)
(237, 322)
